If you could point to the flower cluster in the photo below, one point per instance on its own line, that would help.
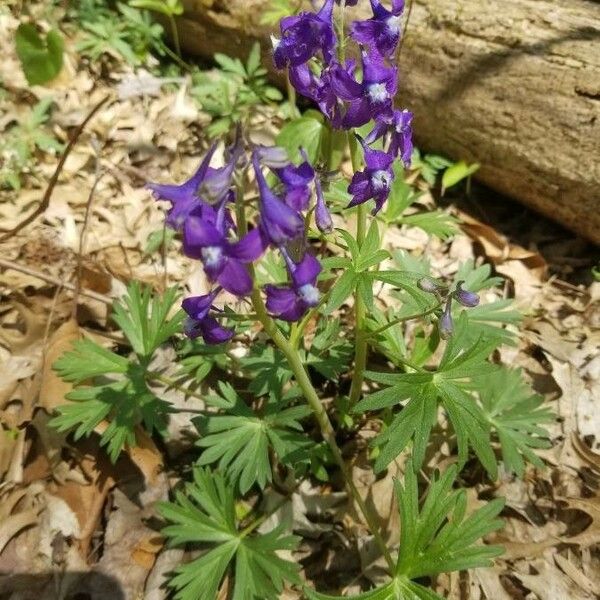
(307, 48)
(201, 210)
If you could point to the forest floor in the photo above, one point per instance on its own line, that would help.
(65, 510)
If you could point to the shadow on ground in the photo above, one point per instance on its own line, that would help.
(60, 586)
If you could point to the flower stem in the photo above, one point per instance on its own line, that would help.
(291, 353)
(321, 416)
(361, 345)
(291, 92)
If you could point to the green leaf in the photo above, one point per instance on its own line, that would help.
(267, 369)
(144, 318)
(205, 514)
(457, 172)
(439, 537)
(436, 537)
(515, 414)
(241, 440)
(436, 222)
(124, 404)
(340, 291)
(41, 58)
(305, 132)
(87, 360)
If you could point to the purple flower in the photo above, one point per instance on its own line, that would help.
(296, 181)
(323, 218)
(303, 36)
(290, 302)
(399, 127)
(200, 323)
(223, 261)
(465, 297)
(375, 181)
(382, 32)
(183, 197)
(278, 222)
(446, 324)
(207, 184)
(372, 97)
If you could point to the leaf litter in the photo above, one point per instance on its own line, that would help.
(64, 508)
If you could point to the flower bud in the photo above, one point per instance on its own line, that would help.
(323, 218)
(465, 297)
(429, 285)
(445, 323)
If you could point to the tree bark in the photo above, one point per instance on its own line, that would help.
(512, 84)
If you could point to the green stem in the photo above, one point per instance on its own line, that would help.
(402, 320)
(175, 34)
(310, 394)
(360, 311)
(321, 416)
(291, 92)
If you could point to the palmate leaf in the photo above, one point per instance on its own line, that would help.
(267, 370)
(124, 404)
(436, 537)
(449, 386)
(87, 360)
(144, 318)
(240, 441)
(515, 414)
(205, 513)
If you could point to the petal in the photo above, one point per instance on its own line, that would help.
(197, 307)
(323, 218)
(299, 176)
(306, 271)
(284, 303)
(298, 198)
(213, 332)
(249, 248)
(343, 84)
(360, 184)
(198, 234)
(235, 278)
(358, 113)
(175, 193)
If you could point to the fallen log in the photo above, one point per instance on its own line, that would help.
(512, 84)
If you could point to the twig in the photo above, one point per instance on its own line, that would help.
(408, 14)
(54, 179)
(88, 206)
(8, 264)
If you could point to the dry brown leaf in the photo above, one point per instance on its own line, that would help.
(12, 524)
(591, 459)
(576, 575)
(591, 507)
(52, 388)
(145, 552)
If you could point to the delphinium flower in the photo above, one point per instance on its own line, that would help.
(224, 260)
(199, 322)
(398, 127)
(382, 32)
(290, 302)
(370, 98)
(197, 195)
(279, 222)
(349, 99)
(303, 36)
(375, 181)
